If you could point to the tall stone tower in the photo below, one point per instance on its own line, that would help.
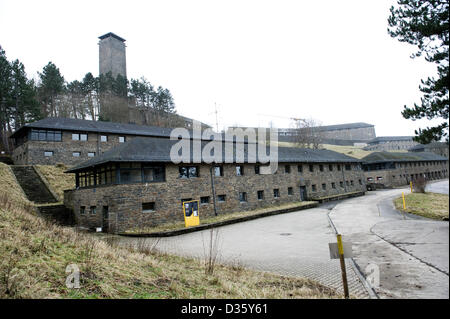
(112, 56)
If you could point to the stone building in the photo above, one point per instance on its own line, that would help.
(71, 141)
(390, 143)
(339, 134)
(137, 185)
(112, 56)
(439, 148)
(396, 169)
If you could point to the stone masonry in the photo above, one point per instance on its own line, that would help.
(122, 203)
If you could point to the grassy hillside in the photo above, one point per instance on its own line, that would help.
(35, 254)
(352, 151)
(58, 180)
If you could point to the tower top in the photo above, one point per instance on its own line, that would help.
(110, 34)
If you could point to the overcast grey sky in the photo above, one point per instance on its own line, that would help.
(328, 60)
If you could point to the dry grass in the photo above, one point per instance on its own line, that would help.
(430, 205)
(352, 151)
(35, 253)
(57, 179)
(214, 219)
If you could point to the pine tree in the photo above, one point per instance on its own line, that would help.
(426, 25)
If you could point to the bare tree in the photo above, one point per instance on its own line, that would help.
(306, 133)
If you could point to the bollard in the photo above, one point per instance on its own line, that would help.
(342, 260)
(410, 185)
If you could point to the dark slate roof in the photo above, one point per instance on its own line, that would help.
(390, 139)
(147, 149)
(110, 34)
(378, 157)
(69, 124)
(430, 145)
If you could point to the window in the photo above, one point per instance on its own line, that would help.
(121, 139)
(311, 168)
(260, 195)
(313, 187)
(330, 167)
(360, 182)
(79, 137)
(341, 184)
(48, 153)
(221, 198)
(290, 191)
(333, 185)
(300, 168)
(148, 207)
(240, 170)
(348, 167)
(130, 173)
(91, 154)
(324, 186)
(204, 200)
(188, 171)
(103, 138)
(256, 169)
(287, 169)
(276, 193)
(351, 182)
(45, 135)
(243, 197)
(218, 171)
(339, 167)
(321, 168)
(379, 178)
(93, 210)
(82, 210)
(154, 174)
(76, 154)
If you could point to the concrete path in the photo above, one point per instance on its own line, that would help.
(293, 244)
(438, 187)
(410, 253)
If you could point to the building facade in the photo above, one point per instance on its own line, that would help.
(133, 187)
(71, 141)
(390, 143)
(439, 148)
(398, 169)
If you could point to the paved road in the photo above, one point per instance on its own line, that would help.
(411, 253)
(438, 187)
(293, 244)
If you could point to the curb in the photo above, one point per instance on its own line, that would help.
(223, 223)
(366, 284)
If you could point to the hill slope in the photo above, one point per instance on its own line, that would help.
(35, 255)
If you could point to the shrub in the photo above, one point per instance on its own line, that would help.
(419, 184)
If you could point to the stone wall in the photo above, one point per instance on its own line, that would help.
(125, 201)
(407, 171)
(390, 146)
(32, 152)
(112, 57)
(360, 134)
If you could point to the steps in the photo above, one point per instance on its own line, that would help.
(32, 184)
(58, 214)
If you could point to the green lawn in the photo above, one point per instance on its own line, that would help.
(430, 205)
